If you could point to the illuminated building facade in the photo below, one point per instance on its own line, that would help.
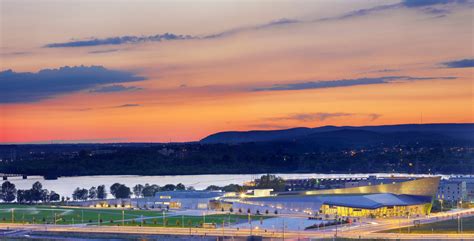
(409, 198)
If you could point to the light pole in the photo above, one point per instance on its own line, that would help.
(408, 217)
(123, 217)
(283, 229)
(250, 222)
(223, 222)
(399, 226)
(164, 218)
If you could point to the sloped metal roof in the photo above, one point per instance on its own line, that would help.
(367, 201)
(373, 201)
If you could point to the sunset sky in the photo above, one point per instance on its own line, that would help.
(160, 71)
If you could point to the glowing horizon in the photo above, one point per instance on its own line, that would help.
(96, 71)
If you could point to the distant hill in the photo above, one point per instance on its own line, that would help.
(351, 134)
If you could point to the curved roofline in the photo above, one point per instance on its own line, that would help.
(427, 186)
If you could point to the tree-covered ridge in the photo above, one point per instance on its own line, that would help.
(339, 151)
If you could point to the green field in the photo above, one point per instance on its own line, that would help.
(42, 214)
(448, 226)
(192, 221)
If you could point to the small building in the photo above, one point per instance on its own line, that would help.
(452, 191)
(469, 186)
(161, 200)
(186, 199)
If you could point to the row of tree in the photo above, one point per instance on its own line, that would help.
(267, 181)
(119, 190)
(98, 192)
(9, 193)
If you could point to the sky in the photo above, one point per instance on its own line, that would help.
(174, 71)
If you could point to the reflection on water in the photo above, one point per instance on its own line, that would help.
(66, 185)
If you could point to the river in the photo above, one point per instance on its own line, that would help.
(64, 186)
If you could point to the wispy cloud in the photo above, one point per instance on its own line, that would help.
(16, 53)
(310, 117)
(120, 40)
(433, 7)
(383, 71)
(103, 51)
(424, 3)
(274, 23)
(115, 88)
(322, 116)
(268, 126)
(374, 116)
(30, 87)
(345, 83)
(126, 106)
(107, 107)
(360, 12)
(463, 63)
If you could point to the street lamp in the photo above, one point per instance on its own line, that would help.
(163, 218)
(123, 217)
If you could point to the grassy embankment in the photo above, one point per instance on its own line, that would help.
(42, 214)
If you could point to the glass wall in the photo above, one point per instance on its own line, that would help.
(390, 211)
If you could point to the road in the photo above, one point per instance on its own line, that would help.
(365, 230)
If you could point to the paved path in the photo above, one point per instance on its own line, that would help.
(366, 230)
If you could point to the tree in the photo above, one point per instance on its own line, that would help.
(53, 196)
(150, 190)
(168, 187)
(101, 192)
(213, 188)
(8, 191)
(80, 194)
(24, 196)
(120, 191)
(180, 187)
(37, 192)
(138, 190)
(93, 193)
(114, 188)
(233, 188)
(20, 196)
(271, 182)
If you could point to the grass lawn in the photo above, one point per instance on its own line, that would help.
(64, 215)
(448, 226)
(192, 221)
(41, 214)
